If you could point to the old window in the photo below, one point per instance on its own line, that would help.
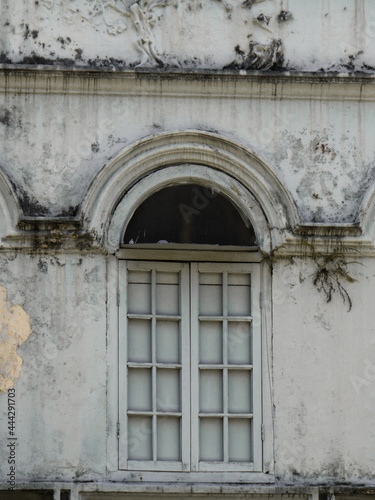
(189, 345)
(189, 213)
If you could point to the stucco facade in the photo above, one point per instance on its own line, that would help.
(270, 103)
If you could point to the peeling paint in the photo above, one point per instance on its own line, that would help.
(15, 329)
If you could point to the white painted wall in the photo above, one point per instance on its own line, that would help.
(61, 400)
(323, 372)
(330, 35)
(58, 130)
(323, 376)
(64, 140)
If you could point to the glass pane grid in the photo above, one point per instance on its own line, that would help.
(225, 361)
(224, 367)
(154, 368)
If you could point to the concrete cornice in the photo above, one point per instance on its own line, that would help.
(187, 83)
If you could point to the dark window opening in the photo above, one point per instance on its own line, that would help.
(189, 213)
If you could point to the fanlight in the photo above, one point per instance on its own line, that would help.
(190, 214)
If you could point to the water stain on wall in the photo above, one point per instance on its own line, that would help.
(14, 330)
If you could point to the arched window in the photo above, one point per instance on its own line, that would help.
(190, 350)
(172, 304)
(189, 213)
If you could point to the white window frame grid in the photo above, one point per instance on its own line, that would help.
(184, 366)
(190, 429)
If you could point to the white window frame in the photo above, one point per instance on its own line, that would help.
(124, 462)
(194, 254)
(263, 215)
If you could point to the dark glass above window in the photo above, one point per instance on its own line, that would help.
(189, 213)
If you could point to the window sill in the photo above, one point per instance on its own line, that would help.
(203, 481)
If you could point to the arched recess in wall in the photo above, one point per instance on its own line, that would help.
(367, 215)
(188, 157)
(9, 207)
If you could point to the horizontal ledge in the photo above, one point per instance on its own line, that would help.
(186, 255)
(187, 82)
(329, 230)
(262, 484)
(189, 246)
(171, 72)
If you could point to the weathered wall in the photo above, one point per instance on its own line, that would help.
(290, 84)
(328, 35)
(61, 392)
(324, 376)
(322, 367)
(320, 148)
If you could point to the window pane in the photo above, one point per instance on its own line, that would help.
(206, 278)
(211, 439)
(168, 342)
(139, 340)
(239, 343)
(139, 298)
(210, 300)
(168, 438)
(139, 389)
(238, 279)
(210, 342)
(140, 438)
(167, 299)
(239, 389)
(211, 391)
(239, 440)
(168, 390)
(188, 213)
(239, 300)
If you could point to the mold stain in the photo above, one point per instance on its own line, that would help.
(15, 329)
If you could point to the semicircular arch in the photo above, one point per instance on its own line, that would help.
(186, 150)
(9, 207)
(366, 216)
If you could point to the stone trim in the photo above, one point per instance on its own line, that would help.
(208, 84)
(187, 150)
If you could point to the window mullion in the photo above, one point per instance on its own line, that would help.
(185, 366)
(225, 369)
(194, 336)
(257, 383)
(122, 353)
(153, 360)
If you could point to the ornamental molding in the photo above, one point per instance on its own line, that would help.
(10, 210)
(245, 203)
(185, 152)
(142, 17)
(207, 84)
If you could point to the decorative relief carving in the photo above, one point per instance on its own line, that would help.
(142, 15)
(250, 3)
(263, 57)
(113, 13)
